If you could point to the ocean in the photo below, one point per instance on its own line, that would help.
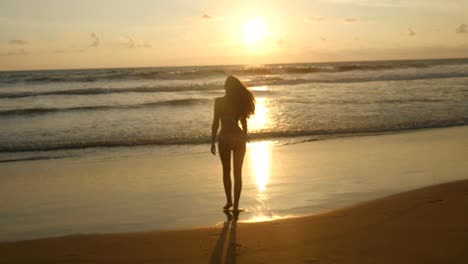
(59, 113)
(123, 150)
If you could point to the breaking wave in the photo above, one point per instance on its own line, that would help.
(46, 110)
(312, 134)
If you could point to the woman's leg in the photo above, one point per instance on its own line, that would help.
(239, 153)
(225, 155)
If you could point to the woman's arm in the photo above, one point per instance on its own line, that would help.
(214, 127)
(244, 126)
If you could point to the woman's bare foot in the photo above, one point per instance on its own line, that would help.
(237, 210)
(227, 206)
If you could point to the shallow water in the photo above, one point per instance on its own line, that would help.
(171, 187)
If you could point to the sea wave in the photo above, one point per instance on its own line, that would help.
(188, 73)
(32, 158)
(311, 134)
(263, 81)
(194, 101)
(393, 77)
(94, 91)
(365, 102)
(47, 110)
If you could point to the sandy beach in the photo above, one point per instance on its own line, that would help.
(428, 225)
(412, 225)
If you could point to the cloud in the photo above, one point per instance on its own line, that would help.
(61, 51)
(146, 45)
(462, 29)
(316, 19)
(207, 17)
(18, 42)
(323, 39)
(389, 53)
(351, 20)
(204, 18)
(131, 43)
(19, 52)
(400, 3)
(128, 42)
(411, 32)
(96, 41)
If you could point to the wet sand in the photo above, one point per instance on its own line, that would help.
(428, 225)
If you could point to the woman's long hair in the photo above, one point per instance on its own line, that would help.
(241, 99)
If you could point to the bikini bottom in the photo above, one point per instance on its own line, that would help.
(232, 142)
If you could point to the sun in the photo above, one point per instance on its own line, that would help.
(254, 31)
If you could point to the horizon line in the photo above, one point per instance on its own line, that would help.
(217, 65)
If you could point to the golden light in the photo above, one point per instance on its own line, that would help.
(264, 218)
(260, 160)
(254, 31)
(259, 153)
(261, 119)
(259, 88)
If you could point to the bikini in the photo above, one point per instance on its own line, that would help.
(231, 140)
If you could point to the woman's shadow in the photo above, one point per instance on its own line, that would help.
(219, 252)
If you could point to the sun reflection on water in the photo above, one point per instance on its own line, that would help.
(264, 218)
(261, 119)
(260, 159)
(259, 88)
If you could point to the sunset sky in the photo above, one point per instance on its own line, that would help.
(56, 34)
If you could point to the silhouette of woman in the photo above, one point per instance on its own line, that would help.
(238, 104)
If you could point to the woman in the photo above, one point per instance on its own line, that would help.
(238, 104)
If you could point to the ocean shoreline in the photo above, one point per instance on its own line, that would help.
(282, 189)
(283, 140)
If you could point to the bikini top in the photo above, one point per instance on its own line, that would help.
(230, 118)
